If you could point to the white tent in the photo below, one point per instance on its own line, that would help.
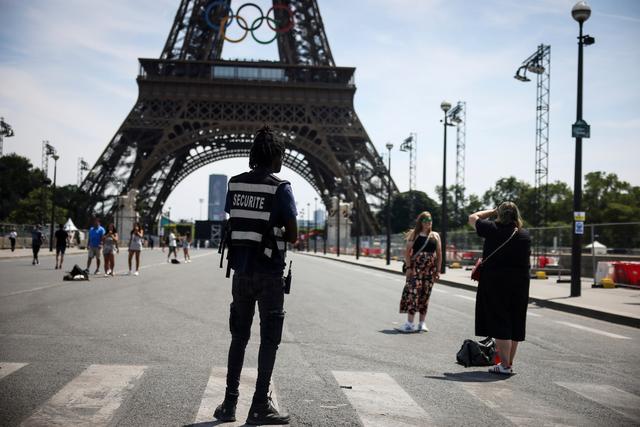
(600, 249)
(70, 226)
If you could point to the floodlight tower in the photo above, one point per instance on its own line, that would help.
(5, 130)
(539, 63)
(458, 118)
(410, 144)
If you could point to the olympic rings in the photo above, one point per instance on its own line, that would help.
(229, 16)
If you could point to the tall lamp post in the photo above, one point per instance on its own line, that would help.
(55, 158)
(308, 227)
(580, 129)
(315, 225)
(326, 220)
(445, 106)
(389, 147)
(338, 215)
(201, 200)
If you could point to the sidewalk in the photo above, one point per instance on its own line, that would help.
(619, 305)
(44, 251)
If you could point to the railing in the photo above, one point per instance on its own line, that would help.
(151, 69)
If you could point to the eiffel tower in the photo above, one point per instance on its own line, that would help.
(195, 108)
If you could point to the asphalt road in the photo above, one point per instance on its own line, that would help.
(151, 351)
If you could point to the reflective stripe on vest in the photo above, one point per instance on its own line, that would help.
(253, 188)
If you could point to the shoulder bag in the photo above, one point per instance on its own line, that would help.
(413, 257)
(477, 269)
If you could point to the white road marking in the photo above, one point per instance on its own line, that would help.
(90, 399)
(520, 407)
(7, 368)
(533, 314)
(595, 331)
(214, 395)
(442, 291)
(465, 297)
(380, 401)
(611, 397)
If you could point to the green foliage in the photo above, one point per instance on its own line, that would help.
(77, 203)
(405, 207)
(18, 178)
(35, 208)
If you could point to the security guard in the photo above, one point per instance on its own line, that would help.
(262, 219)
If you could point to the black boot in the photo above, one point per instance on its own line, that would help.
(226, 411)
(266, 414)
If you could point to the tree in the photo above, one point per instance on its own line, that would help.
(18, 178)
(77, 202)
(513, 190)
(35, 208)
(402, 217)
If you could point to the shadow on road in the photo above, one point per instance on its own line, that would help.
(470, 377)
(396, 332)
(209, 424)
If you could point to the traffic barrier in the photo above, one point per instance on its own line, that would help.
(627, 273)
(607, 283)
(541, 275)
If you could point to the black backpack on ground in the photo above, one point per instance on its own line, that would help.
(77, 273)
(477, 353)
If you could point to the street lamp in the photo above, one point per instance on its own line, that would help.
(445, 106)
(580, 12)
(337, 214)
(326, 220)
(308, 227)
(201, 200)
(55, 158)
(389, 147)
(315, 225)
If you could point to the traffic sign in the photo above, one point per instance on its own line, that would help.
(579, 216)
(579, 227)
(580, 129)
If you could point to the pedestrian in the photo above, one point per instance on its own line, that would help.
(503, 288)
(94, 244)
(260, 205)
(151, 242)
(37, 239)
(13, 235)
(186, 245)
(135, 246)
(110, 248)
(62, 242)
(423, 259)
(172, 246)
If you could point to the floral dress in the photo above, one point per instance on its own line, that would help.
(417, 289)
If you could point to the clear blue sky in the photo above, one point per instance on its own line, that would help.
(68, 68)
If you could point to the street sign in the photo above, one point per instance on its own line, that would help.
(579, 216)
(580, 129)
(579, 227)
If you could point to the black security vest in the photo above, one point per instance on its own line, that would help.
(252, 202)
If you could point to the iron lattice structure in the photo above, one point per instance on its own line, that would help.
(195, 108)
(539, 63)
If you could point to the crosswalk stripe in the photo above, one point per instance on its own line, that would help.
(465, 297)
(613, 398)
(520, 407)
(380, 401)
(7, 368)
(595, 331)
(214, 395)
(90, 399)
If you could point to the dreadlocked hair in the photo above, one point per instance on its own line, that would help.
(265, 148)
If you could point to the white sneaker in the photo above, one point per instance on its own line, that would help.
(407, 327)
(136, 273)
(422, 327)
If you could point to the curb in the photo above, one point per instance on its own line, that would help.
(47, 253)
(581, 311)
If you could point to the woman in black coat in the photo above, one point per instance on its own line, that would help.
(503, 289)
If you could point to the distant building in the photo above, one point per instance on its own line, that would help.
(217, 197)
(319, 216)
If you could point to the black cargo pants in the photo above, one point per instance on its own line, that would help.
(268, 291)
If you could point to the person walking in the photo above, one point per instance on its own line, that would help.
(173, 245)
(135, 246)
(262, 218)
(186, 245)
(423, 258)
(151, 242)
(13, 236)
(94, 245)
(37, 239)
(62, 242)
(503, 288)
(109, 249)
